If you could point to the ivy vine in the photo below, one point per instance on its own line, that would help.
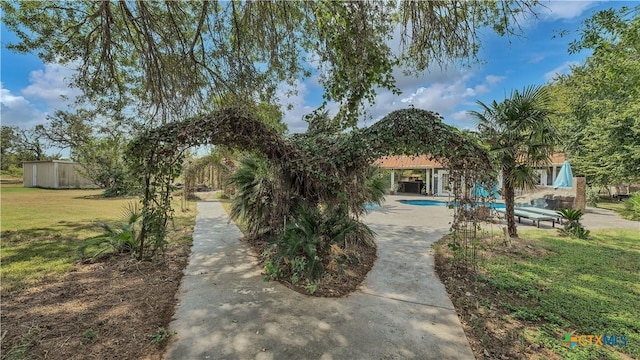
(321, 166)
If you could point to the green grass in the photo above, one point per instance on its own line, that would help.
(580, 287)
(41, 230)
(226, 204)
(617, 206)
(34, 208)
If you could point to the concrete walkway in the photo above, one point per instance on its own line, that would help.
(595, 218)
(402, 310)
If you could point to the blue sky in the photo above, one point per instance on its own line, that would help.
(30, 89)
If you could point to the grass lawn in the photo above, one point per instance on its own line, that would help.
(555, 285)
(226, 204)
(617, 206)
(42, 229)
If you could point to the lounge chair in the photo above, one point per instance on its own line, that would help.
(536, 218)
(541, 211)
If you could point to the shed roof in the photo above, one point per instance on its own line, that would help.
(49, 161)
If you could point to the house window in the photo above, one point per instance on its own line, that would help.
(445, 181)
(539, 177)
(549, 176)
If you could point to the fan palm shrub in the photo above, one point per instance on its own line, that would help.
(303, 237)
(255, 200)
(302, 231)
(319, 237)
(124, 237)
(375, 187)
(572, 226)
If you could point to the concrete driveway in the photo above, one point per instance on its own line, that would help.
(402, 310)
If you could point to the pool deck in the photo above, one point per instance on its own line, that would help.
(594, 218)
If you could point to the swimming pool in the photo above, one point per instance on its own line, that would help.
(441, 203)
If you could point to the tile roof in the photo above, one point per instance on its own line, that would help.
(424, 162)
(558, 158)
(407, 162)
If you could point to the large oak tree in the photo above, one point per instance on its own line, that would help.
(180, 58)
(177, 59)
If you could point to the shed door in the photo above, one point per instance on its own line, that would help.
(56, 176)
(34, 175)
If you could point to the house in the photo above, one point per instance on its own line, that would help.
(54, 174)
(437, 177)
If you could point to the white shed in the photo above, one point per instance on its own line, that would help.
(54, 174)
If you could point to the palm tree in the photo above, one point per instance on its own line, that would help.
(257, 190)
(521, 137)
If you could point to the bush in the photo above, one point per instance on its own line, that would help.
(116, 182)
(13, 171)
(256, 202)
(123, 238)
(572, 226)
(592, 195)
(309, 237)
(313, 241)
(632, 207)
(303, 238)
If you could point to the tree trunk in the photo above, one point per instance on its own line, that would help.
(509, 201)
(147, 199)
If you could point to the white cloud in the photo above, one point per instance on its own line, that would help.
(463, 117)
(50, 84)
(18, 111)
(47, 91)
(11, 101)
(440, 91)
(483, 88)
(439, 97)
(494, 79)
(293, 105)
(563, 10)
(562, 69)
(536, 59)
(457, 89)
(434, 74)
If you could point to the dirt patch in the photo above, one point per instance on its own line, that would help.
(112, 309)
(343, 280)
(491, 333)
(518, 248)
(339, 281)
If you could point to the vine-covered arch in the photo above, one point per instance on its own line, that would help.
(402, 132)
(325, 168)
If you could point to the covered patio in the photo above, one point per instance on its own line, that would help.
(436, 177)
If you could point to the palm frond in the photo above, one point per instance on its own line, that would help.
(523, 177)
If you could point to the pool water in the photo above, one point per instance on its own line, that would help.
(371, 206)
(441, 203)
